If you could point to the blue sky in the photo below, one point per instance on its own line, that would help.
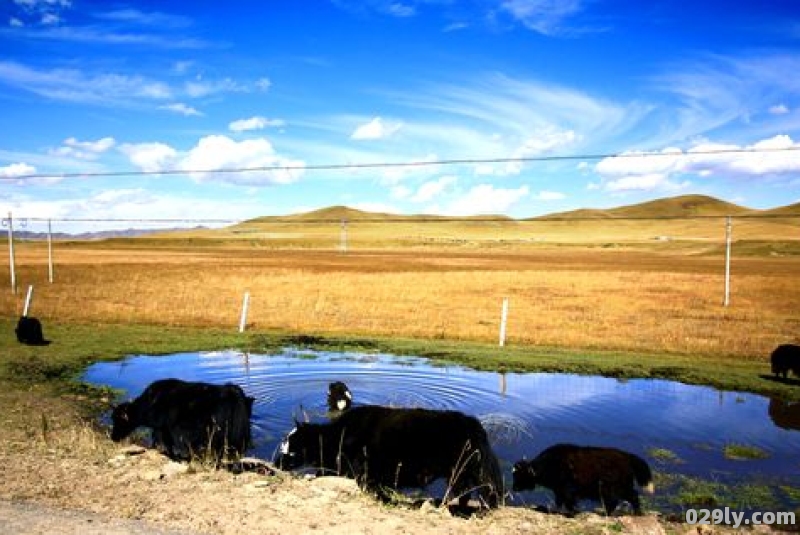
(116, 87)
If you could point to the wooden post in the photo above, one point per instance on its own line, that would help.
(245, 306)
(9, 223)
(49, 252)
(28, 299)
(503, 321)
(728, 231)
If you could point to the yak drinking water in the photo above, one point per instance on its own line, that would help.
(385, 448)
(189, 419)
(573, 473)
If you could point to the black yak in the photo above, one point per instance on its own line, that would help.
(786, 358)
(29, 331)
(386, 448)
(189, 419)
(573, 473)
(339, 397)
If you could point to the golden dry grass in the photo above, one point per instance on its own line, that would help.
(577, 298)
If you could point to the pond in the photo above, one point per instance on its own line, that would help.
(707, 447)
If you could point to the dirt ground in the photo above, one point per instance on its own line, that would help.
(75, 480)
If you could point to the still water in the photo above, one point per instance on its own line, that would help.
(681, 430)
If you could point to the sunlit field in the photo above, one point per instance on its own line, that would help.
(621, 290)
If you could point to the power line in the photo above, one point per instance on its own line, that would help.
(381, 165)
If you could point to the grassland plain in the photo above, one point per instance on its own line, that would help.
(630, 307)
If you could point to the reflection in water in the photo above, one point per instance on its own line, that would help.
(523, 413)
(784, 414)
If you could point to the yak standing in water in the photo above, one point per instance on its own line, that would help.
(339, 397)
(189, 419)
(385, 448)
(573, 473)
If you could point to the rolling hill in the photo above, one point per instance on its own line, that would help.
(670, 207)
(682, 206)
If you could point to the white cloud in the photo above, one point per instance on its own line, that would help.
(646, 182)
(50, 19)
(84, 150)
(254, 123)
(427, 191)
(263, 84)
(45, 12)
(545, 195)
(375, 129)
(16, 170)
(638, 171)
(376, 207)
(138, 204)
(400, 192)
(779, 155)
(221, 152)
(776, 156)
(182, 109)
(779, 109)
(150, 157)
(546, 141)
(212, 155)
(485, 199)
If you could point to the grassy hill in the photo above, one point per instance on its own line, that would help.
(693, 223)
(671, 207)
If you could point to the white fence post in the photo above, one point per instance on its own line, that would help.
(728, 231)
(28, 299)
(9, 223)
(503, 321)
(49, 252)
(245, 306)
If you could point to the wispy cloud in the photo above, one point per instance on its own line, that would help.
(77, 86)
(157, 19)
(254, 123)
(181, 109)
(548, 17)
(105, 36)
(713, 93)
(497, 116)
(113, 89)
(34, 12)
